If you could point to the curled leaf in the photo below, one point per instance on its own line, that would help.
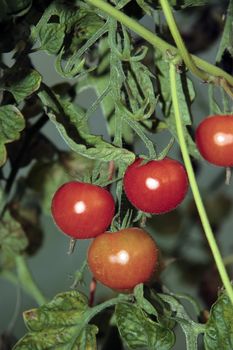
(11, 124)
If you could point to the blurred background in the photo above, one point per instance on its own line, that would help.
(188, 263)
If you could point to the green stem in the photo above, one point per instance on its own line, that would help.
(162, 45)
(26, 280)
(196, 194)
(93, 311)
(9, 276)
(188, 60)
(98, 308)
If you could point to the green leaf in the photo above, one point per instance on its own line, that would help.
(21, 82)
(117, 125)
(73, 127)
(102, 85)
(71, 25)
(87, 339)
(226, 42)
(12, 237)
(179, 4)
(219, 328)
(132, 77)
(143, 303)
(214, 107)
(142, 90)
(46, 178)
(88, 24)
(190, 328)
(139, 130)
(3, 198)
(11, 124)
(189, 3)
(137, 330)
(74, 64)
(71, 69)
(166, 149)
(117, 75)
(163, 309)
(144, 5)
(16, 8)
(51, 37)
(186, 96)
(59, 324)
(56, 312)
(67, 15)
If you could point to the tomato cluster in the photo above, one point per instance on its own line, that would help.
(122, 259)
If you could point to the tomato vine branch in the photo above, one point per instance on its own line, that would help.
(186, 56)
(26, 280)
(95, 310)
(215, 74)
(196, 193)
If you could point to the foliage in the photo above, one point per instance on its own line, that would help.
(129, 74)
(220, 323)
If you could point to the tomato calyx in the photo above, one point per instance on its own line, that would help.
(163, 154)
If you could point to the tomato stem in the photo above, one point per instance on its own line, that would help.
(193, 183)
(196, 65)
(72, 243)
(121, 298)
(93, 286)
(228, 176)
(188, 60)
(93, 311)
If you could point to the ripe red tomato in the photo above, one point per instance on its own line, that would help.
(82, 210)
(123, 259)
(157, 186)
(214, 139)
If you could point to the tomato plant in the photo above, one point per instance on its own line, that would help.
(156, 187)
(123, 259)
(77, 205)
(214, 138)
(96, 99)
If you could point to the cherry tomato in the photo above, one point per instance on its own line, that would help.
(82, 210)
(123, 259)
(156, 187)
(214, 139)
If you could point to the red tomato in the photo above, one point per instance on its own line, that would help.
(123, 259)
(82, 210)
(214, 139)
(157, 186)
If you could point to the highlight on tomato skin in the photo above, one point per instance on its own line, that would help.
(82, 210)
(214, 139)
(123, 259)
(157, 186)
